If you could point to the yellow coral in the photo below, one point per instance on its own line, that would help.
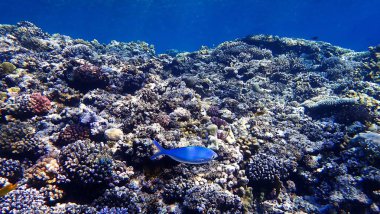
(7, 68)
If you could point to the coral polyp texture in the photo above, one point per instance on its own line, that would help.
(295, 124)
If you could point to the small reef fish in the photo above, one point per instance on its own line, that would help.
(7, 188)
(189, 154)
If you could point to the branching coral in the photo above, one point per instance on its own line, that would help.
(211, 198)
(86, 164)
(85, 76)
(122, 197)
(11, 169)
(266, 169)
(17, 140)
(73, 133)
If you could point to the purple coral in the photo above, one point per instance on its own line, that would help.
(213, 111)
(218, 121)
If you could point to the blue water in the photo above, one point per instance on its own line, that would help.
(187, 24)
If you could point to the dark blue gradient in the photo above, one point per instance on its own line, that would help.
(188, 24)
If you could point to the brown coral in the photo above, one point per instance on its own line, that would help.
(73, 133)
(44, 172)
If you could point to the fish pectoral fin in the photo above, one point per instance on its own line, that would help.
(155, 156)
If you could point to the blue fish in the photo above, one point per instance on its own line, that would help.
(189, 154)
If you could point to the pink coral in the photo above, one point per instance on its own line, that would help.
(39, 104)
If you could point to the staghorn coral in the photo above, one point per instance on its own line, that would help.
(288, 63)
(72, 208)
(228, 51)
(113, 210)
(52, 193)
(174, 190)
(78, 50)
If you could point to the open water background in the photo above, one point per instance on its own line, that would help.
(185, 25)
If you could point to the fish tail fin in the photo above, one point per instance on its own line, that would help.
(159, 147)
(155, 156)
(160, 152)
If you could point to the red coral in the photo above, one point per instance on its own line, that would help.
(39, 104)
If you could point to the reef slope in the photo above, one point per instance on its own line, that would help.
(295, 124)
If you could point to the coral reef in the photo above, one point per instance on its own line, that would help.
(28, 105)
(211, 198)
(295, 124)
(266, 169)
(85, 164)
(6, 68)
(72, 133)
(11, 169)
(18, 140)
